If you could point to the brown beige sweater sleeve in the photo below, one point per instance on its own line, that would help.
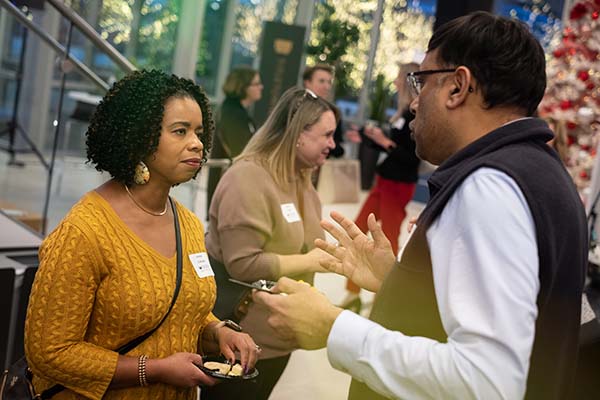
(241, 223)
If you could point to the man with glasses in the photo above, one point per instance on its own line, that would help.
(485, 299)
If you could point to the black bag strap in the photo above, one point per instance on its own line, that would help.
(48, 393)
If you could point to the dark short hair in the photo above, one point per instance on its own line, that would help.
(238, 80)
(310, 71)
(504, 57)
(126, 126)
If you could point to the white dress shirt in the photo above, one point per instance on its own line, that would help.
(485, 269)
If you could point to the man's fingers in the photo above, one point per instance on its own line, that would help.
(349, 226)
(327, 247)
(376, 230)
(290, 286)
(284, 286)
(337, 233)
(332, 249)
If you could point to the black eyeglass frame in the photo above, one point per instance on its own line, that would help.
(415, 85)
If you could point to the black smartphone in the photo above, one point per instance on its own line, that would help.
(261, 284)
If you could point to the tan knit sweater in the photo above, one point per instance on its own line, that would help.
(100, 286)
(248, 230)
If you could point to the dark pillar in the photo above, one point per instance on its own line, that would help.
(447, 10)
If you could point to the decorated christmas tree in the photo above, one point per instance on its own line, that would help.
(572, 101)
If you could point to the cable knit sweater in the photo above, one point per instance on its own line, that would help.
(98, 287)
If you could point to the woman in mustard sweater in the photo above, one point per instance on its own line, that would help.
(107, 273)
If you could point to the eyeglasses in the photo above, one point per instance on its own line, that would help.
(307, 94)
(415, 83)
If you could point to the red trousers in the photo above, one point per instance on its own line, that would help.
(387, 200)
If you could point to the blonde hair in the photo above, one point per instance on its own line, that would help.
(274, 144)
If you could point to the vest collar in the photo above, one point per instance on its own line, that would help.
(524, 129)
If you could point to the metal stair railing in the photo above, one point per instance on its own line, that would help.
(85, 28)
(88, 32)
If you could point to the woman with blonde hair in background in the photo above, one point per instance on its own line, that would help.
(266, 215)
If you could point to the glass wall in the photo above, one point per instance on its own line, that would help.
(231, 35)
(211, 42)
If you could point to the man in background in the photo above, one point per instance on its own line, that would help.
(319, 79)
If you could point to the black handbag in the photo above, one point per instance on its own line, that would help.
(232, 300)
(16, 381)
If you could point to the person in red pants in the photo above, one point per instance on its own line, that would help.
(396, 177)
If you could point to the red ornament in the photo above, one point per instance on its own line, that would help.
(570, 140)
(583, 75)
(565, 104)
(571, 125)
(583, 174)
(558, 53)
(595, 14)
(590, 86)
(578, 11)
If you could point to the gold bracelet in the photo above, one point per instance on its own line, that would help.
(142, 370)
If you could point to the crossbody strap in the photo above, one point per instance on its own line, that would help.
(48, 393)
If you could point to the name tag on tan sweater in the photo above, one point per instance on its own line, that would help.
(290, 213)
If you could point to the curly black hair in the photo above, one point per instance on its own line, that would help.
(126, 125)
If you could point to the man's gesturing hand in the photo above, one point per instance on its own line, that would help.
(364, 260)
(299, 313)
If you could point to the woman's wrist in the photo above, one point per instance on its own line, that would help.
(224, 325)
(209, 333)
(153, 370)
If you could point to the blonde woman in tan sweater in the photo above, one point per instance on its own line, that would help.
(265, 217)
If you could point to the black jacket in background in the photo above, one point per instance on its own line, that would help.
(401, 164)
(234, 128)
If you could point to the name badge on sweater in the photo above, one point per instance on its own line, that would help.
(290, 213)
(201, 264)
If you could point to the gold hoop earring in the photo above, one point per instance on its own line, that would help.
(142, 174)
